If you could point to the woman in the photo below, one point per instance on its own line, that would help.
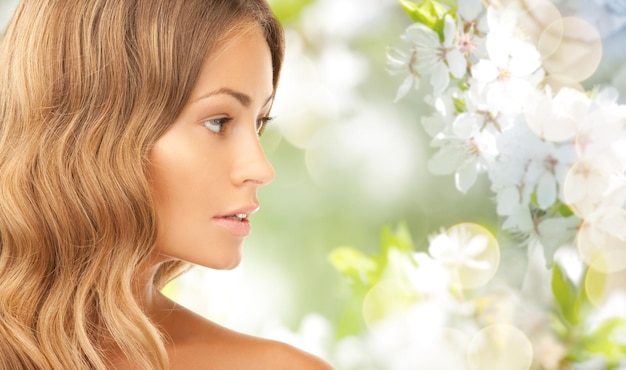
(129, 148)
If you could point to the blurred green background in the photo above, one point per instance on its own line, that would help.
(348, 161)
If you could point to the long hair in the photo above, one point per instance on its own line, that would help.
(86, 88)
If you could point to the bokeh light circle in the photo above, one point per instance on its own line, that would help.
(467, 235)
(500, 346)
(600, 285)
(386, 298)
(533, 19)
(600, 241)
(584, 186)
(577, 46)
(558, 82)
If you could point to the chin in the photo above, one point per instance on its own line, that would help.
(228, 266)
(232, 265)
(225, 263)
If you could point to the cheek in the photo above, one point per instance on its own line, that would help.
(189, 181)
(183, 188)
(184, 168)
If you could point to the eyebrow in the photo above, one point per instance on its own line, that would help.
(242, 98)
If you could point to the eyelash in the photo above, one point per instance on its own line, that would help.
(262, 123)
(224, 121)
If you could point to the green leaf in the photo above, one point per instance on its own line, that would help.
(584, 304)
(463, 85)
(427, 12)
(575, 354)
(565, 294)
(559, 328)
(563, 209)
(459, 105)
(440, 23)
(415, 12)
(288, 9)
(601, 341)
(354, 264)
(399, 239)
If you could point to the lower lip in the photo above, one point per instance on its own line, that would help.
(238, 228)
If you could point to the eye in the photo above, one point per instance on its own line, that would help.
(261, 124)
(217, 125)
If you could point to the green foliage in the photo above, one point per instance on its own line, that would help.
(572, 308)
(601, 339)
(568, 320)
(459, 105)
(562, 208)
(430, 13)
(363, 271)
(399, 239)
(568, 300)
(557, 208)
(287, 10)
(359, 268)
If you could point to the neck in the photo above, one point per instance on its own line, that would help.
(149, 297)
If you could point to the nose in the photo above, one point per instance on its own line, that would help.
(251, 164)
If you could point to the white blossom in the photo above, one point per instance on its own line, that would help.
(456, 250)
(437, 58)
(399, 61)
(513, 68)
(547, 153)
(556, 118)
(416, 338)
(470, 9)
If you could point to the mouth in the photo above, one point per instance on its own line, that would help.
(237, 223)
(237, 217)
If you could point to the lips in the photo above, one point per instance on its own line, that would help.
(236, 222)
(238, 216)
(240, 213)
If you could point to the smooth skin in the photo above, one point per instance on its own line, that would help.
(208, 166)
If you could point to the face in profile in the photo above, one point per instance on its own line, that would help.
(208, 165)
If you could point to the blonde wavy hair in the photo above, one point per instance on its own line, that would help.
(87, 87)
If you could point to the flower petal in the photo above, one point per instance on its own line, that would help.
(465, 177)
(457, 63)
(422, 36)
(441, 246)
(449, 31)
(485, 71)
(405, 87)
(508, 200)
(470, 9)
(546, 190)
(440, 79)
(476, 245)
(447, 160)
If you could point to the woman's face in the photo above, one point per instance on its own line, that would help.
(207, 167)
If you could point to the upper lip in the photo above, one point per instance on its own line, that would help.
(247, 210)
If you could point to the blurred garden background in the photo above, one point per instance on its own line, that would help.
(349, 162)
(351, 165)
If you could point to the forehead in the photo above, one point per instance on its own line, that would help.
(241, 61)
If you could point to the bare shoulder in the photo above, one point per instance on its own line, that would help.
(284, 356)
(199, 344)
(221, 348)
